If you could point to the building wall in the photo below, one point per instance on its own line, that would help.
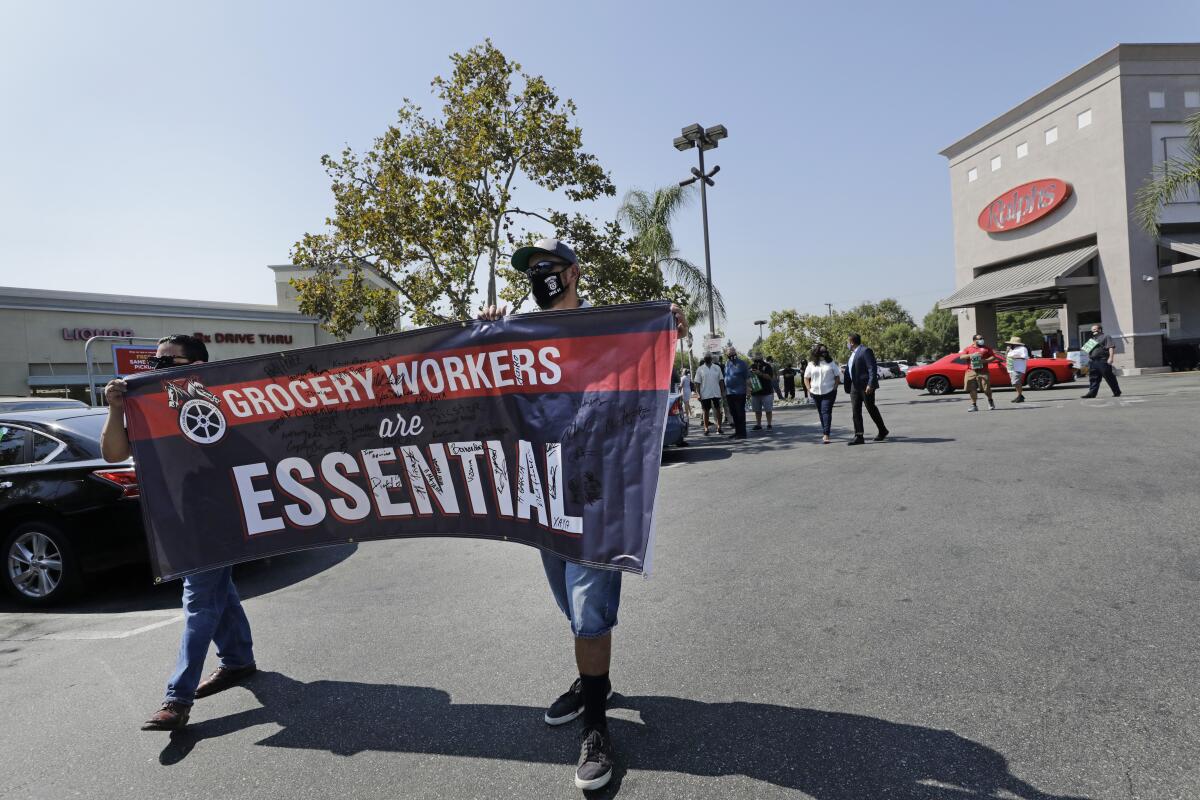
(1106, 162)
(1171, 78)
(32, 341)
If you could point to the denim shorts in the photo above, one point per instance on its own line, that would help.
(762, 402)
(587, 595)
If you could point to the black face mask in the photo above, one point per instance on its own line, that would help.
(547, 288)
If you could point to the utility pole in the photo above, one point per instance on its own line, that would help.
(828, 309)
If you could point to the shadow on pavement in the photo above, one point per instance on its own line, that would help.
(132, 588)
(827, 755)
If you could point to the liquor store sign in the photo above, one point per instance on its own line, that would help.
(1024, 204)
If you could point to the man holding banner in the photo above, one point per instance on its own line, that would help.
(588, 596)
(212, 609)
(543, 429)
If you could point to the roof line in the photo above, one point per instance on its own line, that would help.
(1128, 52)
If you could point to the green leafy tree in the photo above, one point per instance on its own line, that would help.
(648, 216)
(432, 201)
(899, 341)
(1171, 180)
(940, 329)
(1022, 324)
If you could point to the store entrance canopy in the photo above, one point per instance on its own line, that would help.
(1189, 248)
(1028, 284)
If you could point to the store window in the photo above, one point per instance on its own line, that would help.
(1176, 148)
(1191, 99)
(12, 446)
(1158, 99)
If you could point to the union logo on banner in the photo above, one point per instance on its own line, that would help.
(200, 417)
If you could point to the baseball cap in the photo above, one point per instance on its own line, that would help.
(549, 247)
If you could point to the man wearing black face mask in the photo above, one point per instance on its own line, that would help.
(588, 596)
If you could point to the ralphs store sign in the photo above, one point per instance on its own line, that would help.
(1026, 203)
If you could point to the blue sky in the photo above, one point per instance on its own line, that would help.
(173, 150)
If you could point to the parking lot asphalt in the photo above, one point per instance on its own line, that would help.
(990, 605)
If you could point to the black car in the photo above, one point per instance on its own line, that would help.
(64, 511)
(8, 404)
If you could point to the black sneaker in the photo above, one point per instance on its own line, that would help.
(569, 705)
(595, 759)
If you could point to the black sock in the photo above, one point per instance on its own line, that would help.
(595, 690)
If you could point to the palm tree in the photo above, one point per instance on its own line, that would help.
(649, 216)
(1170, 179)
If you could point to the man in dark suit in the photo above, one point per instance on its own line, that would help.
(862, 379)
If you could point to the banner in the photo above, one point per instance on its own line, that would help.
(544, 429)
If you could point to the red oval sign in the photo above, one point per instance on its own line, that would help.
(1026, 203)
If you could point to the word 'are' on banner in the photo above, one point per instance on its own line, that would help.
(544, 429)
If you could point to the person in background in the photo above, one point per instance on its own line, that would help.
(1101, 351)
(762, 399)
(737, 380)
(212, 610)
(685, 388)
(710, 381)
(821, 378)
(775, 382)
(862, 381)
(788, 373)
(979, 355)
(1015, 359)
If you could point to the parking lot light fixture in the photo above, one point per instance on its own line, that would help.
(702, 139)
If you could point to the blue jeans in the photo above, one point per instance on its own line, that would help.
(212, 612)
(825, 409)
(587, 595)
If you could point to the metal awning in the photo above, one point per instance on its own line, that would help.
(1026, 284)
(1189, 248)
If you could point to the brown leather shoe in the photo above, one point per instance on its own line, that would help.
(222, 678)
(171, 717)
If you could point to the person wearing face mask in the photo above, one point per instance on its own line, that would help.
(1101, 351)
(710, 379)
(821, 378)
(862, 381)
(212, 609)
(1016, 358)
(588, 596)
(737, 383)
(978, 356)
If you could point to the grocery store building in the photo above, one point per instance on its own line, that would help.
(43, 333)
(1042, 200)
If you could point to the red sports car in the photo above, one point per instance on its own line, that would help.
(946, 374)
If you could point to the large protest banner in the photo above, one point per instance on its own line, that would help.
(544, 429)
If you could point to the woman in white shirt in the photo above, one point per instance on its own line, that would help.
(822, 377)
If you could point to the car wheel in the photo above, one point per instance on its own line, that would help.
(1039, 379)
(39, 564)
(938, 384)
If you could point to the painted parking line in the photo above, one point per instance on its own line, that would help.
(76, 627)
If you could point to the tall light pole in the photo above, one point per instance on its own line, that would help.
(760, 323)
(703, 139)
